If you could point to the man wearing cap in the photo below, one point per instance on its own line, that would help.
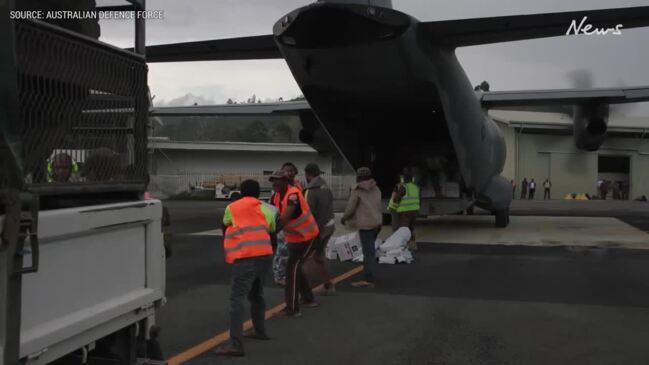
(300, 230)
(364, 212)
(321, 201)
(248, 225)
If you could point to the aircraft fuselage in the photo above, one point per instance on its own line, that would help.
(389, 98)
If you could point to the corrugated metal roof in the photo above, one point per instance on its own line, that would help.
(615, 121)
(229, 146)
(233, 109)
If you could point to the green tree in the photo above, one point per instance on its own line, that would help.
(282, 133)
(255, 132)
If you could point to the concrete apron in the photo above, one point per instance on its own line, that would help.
(530, 231)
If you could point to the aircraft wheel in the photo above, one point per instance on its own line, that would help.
(502, 218)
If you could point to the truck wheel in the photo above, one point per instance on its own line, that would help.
(502, 218)
(470, 210)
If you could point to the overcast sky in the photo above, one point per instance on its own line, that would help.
(542, 63)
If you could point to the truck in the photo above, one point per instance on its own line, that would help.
(82, 260)
(227, 186)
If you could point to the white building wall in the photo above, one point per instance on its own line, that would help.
(639, 178)
(572, 170)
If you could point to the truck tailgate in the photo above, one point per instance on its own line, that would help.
(101, 269)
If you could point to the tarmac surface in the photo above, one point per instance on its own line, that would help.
(472, 302)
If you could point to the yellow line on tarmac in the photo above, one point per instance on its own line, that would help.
(222, 337)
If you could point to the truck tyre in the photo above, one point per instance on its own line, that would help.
(502, 218)
(470, 210)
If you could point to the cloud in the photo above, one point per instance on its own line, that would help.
(185, 100)
(541, 63)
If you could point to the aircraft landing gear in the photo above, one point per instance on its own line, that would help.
(502, 218)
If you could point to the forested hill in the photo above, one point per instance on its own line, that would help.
(278, 129)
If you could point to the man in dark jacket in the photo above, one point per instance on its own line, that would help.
(320, 200)
(524, 189)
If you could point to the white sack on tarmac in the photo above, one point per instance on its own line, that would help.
(394, 250)
(397, 240)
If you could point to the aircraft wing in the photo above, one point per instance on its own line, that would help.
(453, 33)
(245, 48)
(495, 99)
(289, 107)
(471, 32)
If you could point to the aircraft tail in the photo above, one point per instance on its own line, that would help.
(378, 3)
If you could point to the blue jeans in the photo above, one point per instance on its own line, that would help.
(247, 281)
(368, 239)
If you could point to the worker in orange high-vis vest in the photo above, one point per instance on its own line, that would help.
(281, 253)
(300, 230)
(248, 227)
(291, 170)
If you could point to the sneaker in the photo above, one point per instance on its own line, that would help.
(227, 351)
(363, 284)
(285, 313)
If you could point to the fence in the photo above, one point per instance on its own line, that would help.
(165, 186)
(83, 110)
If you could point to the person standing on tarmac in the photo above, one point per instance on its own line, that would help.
(300, 231)
(320, 200)
(532, 188)
(281, 253)
(364, 212)
(405, 202)
(524, 185)
(547, 185)
(248, 225)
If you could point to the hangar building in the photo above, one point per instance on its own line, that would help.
(540, 145)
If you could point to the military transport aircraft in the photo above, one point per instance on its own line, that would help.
(389, 91)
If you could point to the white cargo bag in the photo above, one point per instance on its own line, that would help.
(330, 250)
(397, 240)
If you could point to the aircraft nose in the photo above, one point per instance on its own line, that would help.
(323, 25)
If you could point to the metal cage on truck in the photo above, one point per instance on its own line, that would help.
(73, 169)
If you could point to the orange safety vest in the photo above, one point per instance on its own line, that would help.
(248, 235)
(302, 228)
(298, 185)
